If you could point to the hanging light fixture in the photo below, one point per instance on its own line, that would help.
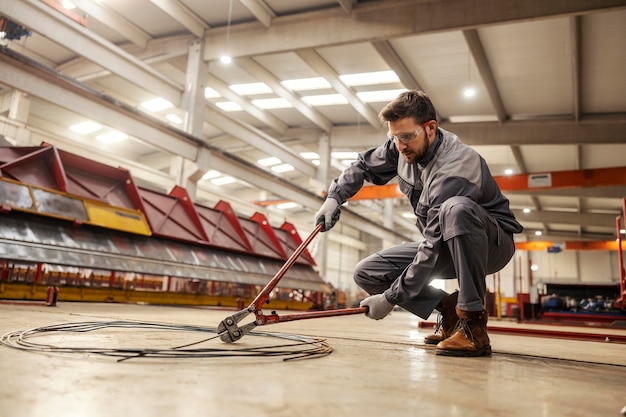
(469, 91)
(226, 59)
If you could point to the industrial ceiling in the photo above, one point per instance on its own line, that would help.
(548, 79)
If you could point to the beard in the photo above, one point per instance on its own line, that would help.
(412, 156)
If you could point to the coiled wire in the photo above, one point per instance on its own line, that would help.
(296, 346)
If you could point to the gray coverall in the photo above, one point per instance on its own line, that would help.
(464, 218)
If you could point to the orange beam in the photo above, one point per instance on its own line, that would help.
(575, 245)
(601, 177)
(265, 203)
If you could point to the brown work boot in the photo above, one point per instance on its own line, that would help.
(469, 337)
(446, 319)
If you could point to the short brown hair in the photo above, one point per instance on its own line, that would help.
(413, 103)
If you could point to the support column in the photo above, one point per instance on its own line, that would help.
(19, 108)
(321, 185)
(193, 103)
(324, 167)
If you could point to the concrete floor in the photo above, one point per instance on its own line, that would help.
(377, 368)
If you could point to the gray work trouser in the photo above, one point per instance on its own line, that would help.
(472, 245)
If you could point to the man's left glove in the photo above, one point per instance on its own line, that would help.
(378, 306)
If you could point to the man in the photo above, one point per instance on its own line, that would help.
(464, 218)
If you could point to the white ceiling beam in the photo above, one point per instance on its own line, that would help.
(261, 115)
(110, 18)
(484, 69)
(262, 13)
(257, 71)
(157, 50)
(257, 139)
(71, 35)
(391, 57)
(593, 131)
(319, 65)
(49, 87)
(180, 13)
(565, 217)
(333, 27)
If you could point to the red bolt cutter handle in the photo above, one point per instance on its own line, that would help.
(230, 331)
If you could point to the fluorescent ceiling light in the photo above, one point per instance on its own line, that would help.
(289, 205)
(112, 137)
(174, 119)
(325, 100)
(68, 5)
(508, 171)
(211, 93)
(538, 232)
(223, 180)
(228, 106)
(309, 155)
(84, 128)
(267, 162)
(316, 162)
(370, 78)
(469, 92)
(225, 59)
(307, 84)
(348, 161)
(408, 215)
(209, 175)
(250, 89)
(526, 210)
(345, 155)
(156, 104)
(282, 168)
(272, 103)
(378, 96)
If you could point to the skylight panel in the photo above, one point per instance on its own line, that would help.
(209, 175)
(250, 89)
(268, 162)
(309, 155)
(282, 168)
(156, 105)
(174, 119)
(211, 93)
(228, 106)
(378, 96)
(307, 84)
(86, 127)
(272, 103)
(223, 180)
(325, 100)
(112, 137)
(370, 78)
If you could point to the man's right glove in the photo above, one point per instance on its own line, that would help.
(377, 306)
(328, 214)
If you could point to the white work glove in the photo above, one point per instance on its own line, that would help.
(328, 214)
(378, 306)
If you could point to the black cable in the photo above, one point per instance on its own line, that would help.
(298, 347)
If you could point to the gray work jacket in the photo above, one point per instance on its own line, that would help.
(449, 168)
